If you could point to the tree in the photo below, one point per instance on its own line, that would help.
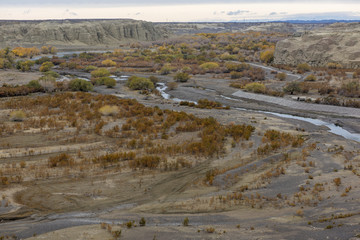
(181, 77)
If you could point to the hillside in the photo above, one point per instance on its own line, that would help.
(77, 32)
(335, 43)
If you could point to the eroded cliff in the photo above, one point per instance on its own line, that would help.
(337, 43)
(77, 32)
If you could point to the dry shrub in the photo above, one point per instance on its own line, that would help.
(109, 110)
(61, 160)
(17, 116)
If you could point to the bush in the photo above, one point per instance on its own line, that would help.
(108, 63)
(142, 222)
(109, 82)
(101, 72)
(181, 77)
(109, 110)
(172, 85)
(34, 84)
(267, 56)
(281, 76)
(311, 78)
(209, 66)
(166, 69)
(186, 222)
(139, 83)
(154, 79)
(46, 66)
(80, 85)
(303, 67)
(236, 67)
(255, 87)
(61, 160)
(52, 74)
(24, 66)
(90, 68)
(292, 87)
(17, 116)
(42, 60)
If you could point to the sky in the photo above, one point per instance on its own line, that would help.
(182, 11)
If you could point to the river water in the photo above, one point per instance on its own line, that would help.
(337, 130)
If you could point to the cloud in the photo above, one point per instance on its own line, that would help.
(27, 12)
(325, 15)
(138, 13)
(273, 13)
(70, 13)
(156, 2)
(238, 12)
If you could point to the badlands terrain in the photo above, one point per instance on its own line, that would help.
(204, 136)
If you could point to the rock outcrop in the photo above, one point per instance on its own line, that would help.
(336, 43)
(77, 32)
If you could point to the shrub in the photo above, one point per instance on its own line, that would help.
(311, 78)
(186, 222)
(172, 85)
(154, 79)
(24, 66)
(236, 75)
(209, 66)
(281, 76)
(52, 74)
(109, 82)
(129, 224)
(337, 181)
(42, 60)
(90, 68)
(108, 63)
(46, 66)
(292, 87)
(34, 84)
(109, 110)
(255, 87)
(17, 116)
(139, 83)
(101, 72)
(181, 77)
(333, 65)
(166, 69)
(303, 67)
(61, 160)
(267, 56)
(142, 222)
(237, 67)
(80, 85)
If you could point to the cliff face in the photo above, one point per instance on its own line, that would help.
(77, 32)
(336, 43)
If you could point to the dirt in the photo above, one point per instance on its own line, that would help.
(72, 203)
(14, 77)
